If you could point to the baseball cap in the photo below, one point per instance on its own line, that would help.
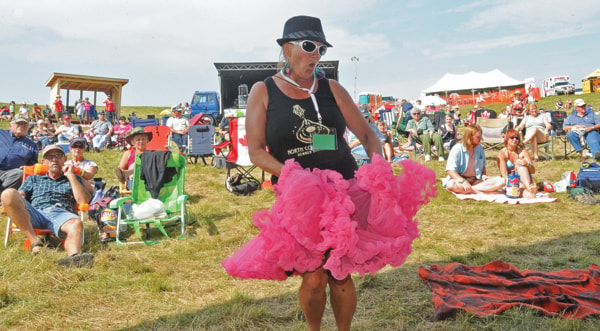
(579, 103)
(102, 112)
(80, 141)
(66, 117)
(51, 148)
(20, 119)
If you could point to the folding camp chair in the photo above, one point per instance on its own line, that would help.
(160, 137)
(39, 169)
(491, 132)
(138, 122)
(200, 142)
(171, 194)
(238, 159)
(558, 134)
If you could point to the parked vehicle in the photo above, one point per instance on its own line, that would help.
(557, 85)
(206, 102)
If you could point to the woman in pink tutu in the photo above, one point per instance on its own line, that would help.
(329, 219)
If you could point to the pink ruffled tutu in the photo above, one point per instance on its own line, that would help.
(357, 225)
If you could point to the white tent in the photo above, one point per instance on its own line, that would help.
(471, 81)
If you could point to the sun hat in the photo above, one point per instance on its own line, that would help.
(303, 28)
(579, 103)
(50, 148)
(137, 131)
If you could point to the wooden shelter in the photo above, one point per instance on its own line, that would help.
(70, 82)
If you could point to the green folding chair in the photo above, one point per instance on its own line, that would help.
(171, 195)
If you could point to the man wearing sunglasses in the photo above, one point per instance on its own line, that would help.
(16, 150)
(48, 202)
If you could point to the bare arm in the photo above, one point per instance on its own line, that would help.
(82, 195)
(355, 121)
(124, 159)
(256, 122)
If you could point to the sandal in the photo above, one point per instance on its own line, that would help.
(36, 245)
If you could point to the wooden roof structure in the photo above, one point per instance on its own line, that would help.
(70, 82)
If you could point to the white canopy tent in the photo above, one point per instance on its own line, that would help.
(473, 81)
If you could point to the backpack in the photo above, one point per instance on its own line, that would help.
(589, 176)
(96, 209)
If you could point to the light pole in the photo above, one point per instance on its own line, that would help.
(355, 60)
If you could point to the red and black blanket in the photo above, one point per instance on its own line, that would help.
(497, 286)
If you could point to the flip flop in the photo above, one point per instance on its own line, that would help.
(35, 245)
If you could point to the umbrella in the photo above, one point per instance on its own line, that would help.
(432, 99)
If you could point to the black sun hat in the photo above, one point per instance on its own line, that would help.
(303, 28)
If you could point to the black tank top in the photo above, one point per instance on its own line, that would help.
(291, 123)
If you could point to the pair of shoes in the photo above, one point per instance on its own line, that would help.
(78, 260)
(441, 159)
(105, 237)
(427, 157)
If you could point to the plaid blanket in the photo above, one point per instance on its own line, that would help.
(497, 286)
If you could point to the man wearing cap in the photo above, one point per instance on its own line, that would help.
(110, 110)
(58, 107)
(67, 131)
(16, 150)
(224, 125)
(100, 131)
(48, 202)
(583, 126)
(179, 128)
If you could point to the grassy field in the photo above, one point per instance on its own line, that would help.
(180, 285)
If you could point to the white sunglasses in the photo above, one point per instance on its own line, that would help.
(309, 46)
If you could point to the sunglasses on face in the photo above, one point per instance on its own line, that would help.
(77, 146)
(309, 46)
(515, 138)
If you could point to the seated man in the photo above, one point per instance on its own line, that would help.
(16, 150)
(466, 166)
(422, 131)
(100, 131)
(48, 202)
(583, 127)
(179, 128)
(67, 131)
(224, 125)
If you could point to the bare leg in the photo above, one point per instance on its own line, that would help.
(313, 298)
(529, 188)
(490, 185)
(343, 301)
(14, 204)
(74, 229)
(388, 151)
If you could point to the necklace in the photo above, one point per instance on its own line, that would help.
(310, 91)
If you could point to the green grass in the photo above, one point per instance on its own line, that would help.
(180, 285)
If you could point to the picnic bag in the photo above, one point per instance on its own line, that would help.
(99, 210)
(589, 176)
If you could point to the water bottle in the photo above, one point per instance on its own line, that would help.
(512, 185)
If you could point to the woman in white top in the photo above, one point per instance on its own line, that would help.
(536, 127)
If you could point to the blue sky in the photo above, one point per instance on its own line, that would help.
(167, 48)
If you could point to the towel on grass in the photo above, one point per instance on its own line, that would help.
(501, 198)
(497, 286)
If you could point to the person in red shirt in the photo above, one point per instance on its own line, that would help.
(37, 112)
(58, 108)
(110, 111)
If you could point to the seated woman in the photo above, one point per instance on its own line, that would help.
(388, 148)
(536, 127)
(466, 166)
(40, 135)
(138, 140)
(513, 157)
(448, 132)
(88, 168)
(120, 131)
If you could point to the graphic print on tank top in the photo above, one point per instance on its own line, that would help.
(308, 128)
